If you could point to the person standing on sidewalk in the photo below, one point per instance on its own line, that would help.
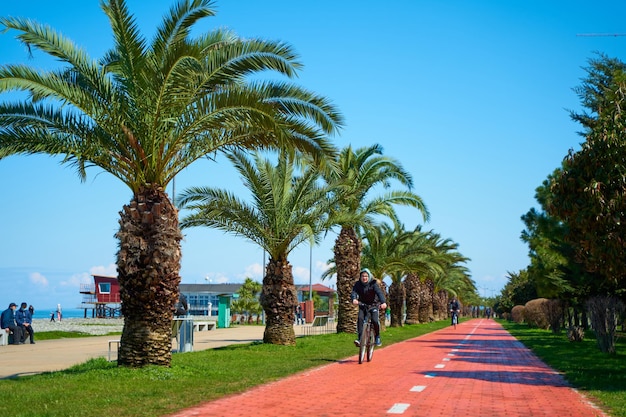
(8, 324)
(24, 319)
(366, 291)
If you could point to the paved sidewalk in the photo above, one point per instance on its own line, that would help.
(58, 354)
(478, 369)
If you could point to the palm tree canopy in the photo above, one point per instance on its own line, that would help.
(146, 110)
(286, 209)
(388, 250)
(452, 276)
(359, 173)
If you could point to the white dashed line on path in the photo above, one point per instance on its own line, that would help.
(398, 408)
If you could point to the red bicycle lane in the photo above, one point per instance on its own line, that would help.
(477, 369)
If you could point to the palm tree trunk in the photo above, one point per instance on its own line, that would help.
(396, 300)
(440, 309)
(148, 265)
(383, 288)
(411, 286)
(426, 301)
(279, 300)
(348, 263)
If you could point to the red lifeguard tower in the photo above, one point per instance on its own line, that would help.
(102, 297)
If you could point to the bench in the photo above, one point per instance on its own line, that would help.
(199, 326)
(320, 325)
(320, 321)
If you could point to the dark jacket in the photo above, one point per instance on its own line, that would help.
(8, 318)
(23, 316)
(369, 293)
(182, 307)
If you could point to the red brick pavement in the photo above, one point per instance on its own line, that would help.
(477, 369)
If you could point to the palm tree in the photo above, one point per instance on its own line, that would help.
(144, 112)
(422, 257)
(433, 286)
(286, 210)
(248, 302)
(382, 254)
(359, 173)
(412, 285)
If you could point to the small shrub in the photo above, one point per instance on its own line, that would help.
(535, 313)
(517, 314)
(575, 334)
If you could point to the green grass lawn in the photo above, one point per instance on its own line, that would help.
(98, 387)
(57, 334)
(600, 376)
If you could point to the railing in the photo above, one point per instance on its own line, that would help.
(108, 298)
(88, 288)
(320, 325)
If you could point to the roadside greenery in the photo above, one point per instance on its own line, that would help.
(99, 387)
(600, 376)
(575, 235)
(57, 334)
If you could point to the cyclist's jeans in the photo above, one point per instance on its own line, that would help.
(359, 322)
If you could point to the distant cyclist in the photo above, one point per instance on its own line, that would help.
(367, 291)
(454, 308)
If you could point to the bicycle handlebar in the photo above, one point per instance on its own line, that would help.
(369, 306)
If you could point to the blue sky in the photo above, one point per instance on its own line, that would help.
(471, 97)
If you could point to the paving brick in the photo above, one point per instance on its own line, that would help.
(489, 374)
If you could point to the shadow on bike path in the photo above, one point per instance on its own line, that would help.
(477, 369)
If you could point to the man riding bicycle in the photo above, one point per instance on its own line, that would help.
(454, 308)
(367, 292)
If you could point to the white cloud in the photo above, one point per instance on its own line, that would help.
(77, 279)
(322, 266)
(301, 274)
(38, 279)
(254, 271)
(86, 277)
(216, 278)
(108, 271)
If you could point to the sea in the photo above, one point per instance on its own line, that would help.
(68, 313)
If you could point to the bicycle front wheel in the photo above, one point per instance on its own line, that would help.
(365, 335)
(370, 346)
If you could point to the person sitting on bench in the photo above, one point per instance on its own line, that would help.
(8, 324)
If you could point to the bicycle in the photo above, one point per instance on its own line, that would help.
(368, 336)
(455, 317)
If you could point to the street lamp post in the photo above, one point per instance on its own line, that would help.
(311, 271)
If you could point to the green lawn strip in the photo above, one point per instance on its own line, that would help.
(58, 334)
(98, 387)
(599, 376)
